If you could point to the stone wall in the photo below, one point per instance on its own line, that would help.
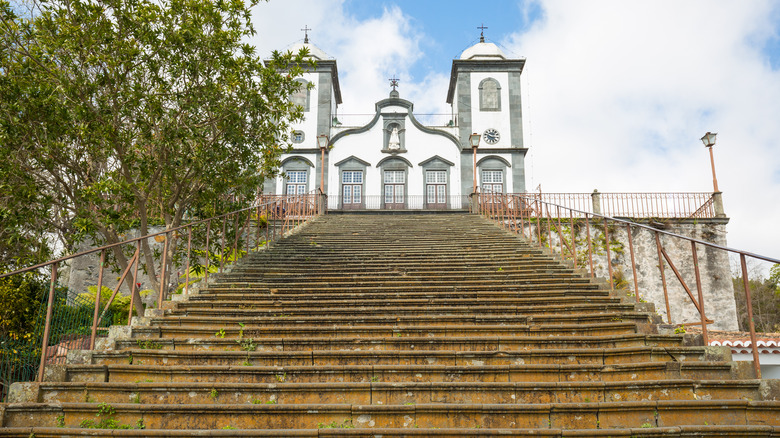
(714, 265)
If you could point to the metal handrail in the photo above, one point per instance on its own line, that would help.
(285, 212)
(635, 204)
(509, 209)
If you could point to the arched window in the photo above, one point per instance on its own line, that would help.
(489, 95)
(302, 96)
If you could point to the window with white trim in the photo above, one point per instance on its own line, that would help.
(394, 186)
(352, 186)
(436, 186)
(492, 181)
(296, 182)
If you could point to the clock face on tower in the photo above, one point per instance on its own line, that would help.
(491, 136)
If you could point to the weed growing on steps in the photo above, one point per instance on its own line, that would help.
(148, 345)
(220, 333)
(280, 377)
(247, 344)
(106, 414)
(679, 330)
(214, 393)
(346, 424)
(60, 421)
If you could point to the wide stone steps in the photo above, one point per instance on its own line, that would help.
(249, 311)
(386, 331)
(152, 352)
(324, 371)
(341, 430)
(218, 322)
(401, 325)
(425, 415)
(394, 393)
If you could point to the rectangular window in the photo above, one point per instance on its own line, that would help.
(296, 182)
(352, 188)
(394, 176)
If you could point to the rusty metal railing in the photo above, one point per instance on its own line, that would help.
(249, 228)
(542, 223)
(634, 205)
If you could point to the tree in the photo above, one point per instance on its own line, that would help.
(765, 299)
(117, 113)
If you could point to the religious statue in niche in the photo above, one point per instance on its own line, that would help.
(394, 141)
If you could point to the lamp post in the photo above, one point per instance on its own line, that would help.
(474, 141)
(322, 142)
(709, 142)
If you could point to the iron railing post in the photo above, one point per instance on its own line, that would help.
(609, 255)
(751, 324)
(663, 277)
(590, 246)
(208, 235)
(633, 261)
(702, 313)
(47, 326)
(98, 295)
(133, 290)
(163, 272)
(189, 252)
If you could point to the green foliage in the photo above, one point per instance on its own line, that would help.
(765, 298)
(119, 308)
(118, 115)
(680, 330)
(20, 302)
(346, 424)
(214, 394)
(220, 333)
(148, 344)
(106, 420)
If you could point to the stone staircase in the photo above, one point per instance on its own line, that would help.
(369, 325)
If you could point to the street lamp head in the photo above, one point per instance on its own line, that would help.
(474, 139)
(322, 141)
(709, 139)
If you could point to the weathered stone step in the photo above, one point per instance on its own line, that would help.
(331, 430)
(472, 371)
(238, 332)
(286, 294)
(556, 309)
(283, 302)
(392, 393)
(217, 322)
(456, 343)
(147, 355)
(427, 415)
(421, 304)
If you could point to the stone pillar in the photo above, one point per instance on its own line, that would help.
(322, 201)
(717, 202)
(596, 200)
(474, 198)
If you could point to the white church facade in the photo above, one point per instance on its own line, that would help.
(394, 161)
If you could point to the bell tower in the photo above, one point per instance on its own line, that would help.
(484, 93)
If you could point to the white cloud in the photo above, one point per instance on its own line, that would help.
(620, 92)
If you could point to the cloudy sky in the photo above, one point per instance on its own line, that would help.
(616, 93)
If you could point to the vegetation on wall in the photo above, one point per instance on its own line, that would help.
(765, 298)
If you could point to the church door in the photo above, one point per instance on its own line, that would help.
(351, 189)
(436, 188)
(394, 189)
(492, 183)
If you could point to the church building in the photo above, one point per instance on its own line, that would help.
(396, 162)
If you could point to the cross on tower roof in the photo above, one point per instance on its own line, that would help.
(482, 33)
(306, 30)
(393, 82)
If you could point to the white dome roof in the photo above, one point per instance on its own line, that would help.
(481, 51)
(314, 52)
